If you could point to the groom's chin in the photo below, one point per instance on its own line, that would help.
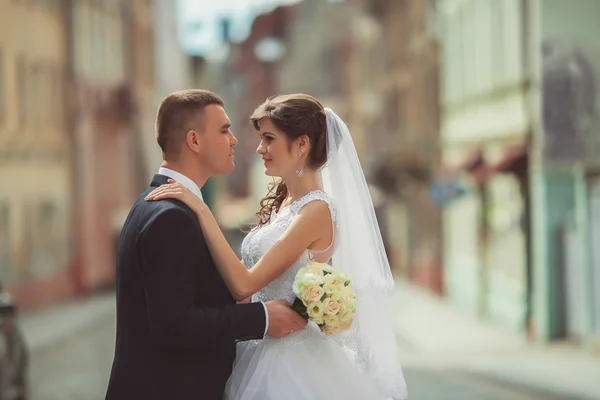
(229, 170)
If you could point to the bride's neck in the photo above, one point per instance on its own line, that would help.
(299, 187)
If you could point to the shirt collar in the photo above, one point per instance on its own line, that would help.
(184, 180)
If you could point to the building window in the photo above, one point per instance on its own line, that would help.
(22, 91)
(497, 43)
(5, 243)
(57, 100)
(46, 238)
(2, 86)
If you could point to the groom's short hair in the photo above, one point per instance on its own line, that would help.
(177, 114)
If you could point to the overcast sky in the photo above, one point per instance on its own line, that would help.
(199, 20)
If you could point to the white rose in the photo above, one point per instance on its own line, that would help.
(315, 269)
(312, 279)
(327, 268)
(333, 279)
(330, 306)
(312, 294)
(333, 291)
(342, 275)
(298, 287)
(301, 272)
(315, 310)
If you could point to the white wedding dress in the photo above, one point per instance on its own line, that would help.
(306, 365)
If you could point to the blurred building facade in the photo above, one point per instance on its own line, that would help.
(77, 92)
(36, 236)
(564, 177)
(485, 130)
(518, 184)
(400, 82)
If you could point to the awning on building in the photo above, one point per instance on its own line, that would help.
(474, 171)
(513, 160)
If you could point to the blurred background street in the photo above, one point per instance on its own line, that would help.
(476, 122)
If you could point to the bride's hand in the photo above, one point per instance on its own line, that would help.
(175, 190)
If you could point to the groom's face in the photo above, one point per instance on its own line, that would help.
(216, 142)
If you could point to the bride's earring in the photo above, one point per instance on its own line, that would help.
(299, 172)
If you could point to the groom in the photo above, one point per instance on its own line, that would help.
(177, 324)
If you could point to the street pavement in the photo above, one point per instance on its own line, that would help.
(77, 368)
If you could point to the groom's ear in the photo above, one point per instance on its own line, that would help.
(192, 140)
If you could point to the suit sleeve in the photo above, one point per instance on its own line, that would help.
(171, 253)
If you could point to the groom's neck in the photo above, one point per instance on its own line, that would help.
(192, 172)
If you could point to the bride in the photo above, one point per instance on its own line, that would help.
(320, 210)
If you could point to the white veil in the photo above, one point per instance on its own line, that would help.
(360, 253)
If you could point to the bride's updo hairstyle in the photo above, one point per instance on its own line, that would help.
(295, 115)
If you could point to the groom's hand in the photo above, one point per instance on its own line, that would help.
(282, 320)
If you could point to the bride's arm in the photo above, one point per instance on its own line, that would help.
(304, 230)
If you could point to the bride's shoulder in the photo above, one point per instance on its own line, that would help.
(317, 204)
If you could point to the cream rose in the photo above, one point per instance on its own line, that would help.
(332, 330)
(347, 296)
(332, 320)
(335, 325)
(330, 306)
(348, 315)
(312, 293)
(347, 324)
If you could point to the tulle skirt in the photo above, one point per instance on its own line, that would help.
(307, 365)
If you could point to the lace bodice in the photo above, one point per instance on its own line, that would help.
(261, 239)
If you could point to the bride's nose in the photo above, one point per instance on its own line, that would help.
(260, 149)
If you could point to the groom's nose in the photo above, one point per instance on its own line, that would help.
(233, 140)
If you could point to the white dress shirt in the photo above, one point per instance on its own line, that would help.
(188, 183)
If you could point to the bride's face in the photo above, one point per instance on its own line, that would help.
(275, 150)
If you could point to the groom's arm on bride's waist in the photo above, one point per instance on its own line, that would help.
(172, 252)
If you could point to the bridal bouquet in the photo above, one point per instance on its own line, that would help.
(325, 296)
